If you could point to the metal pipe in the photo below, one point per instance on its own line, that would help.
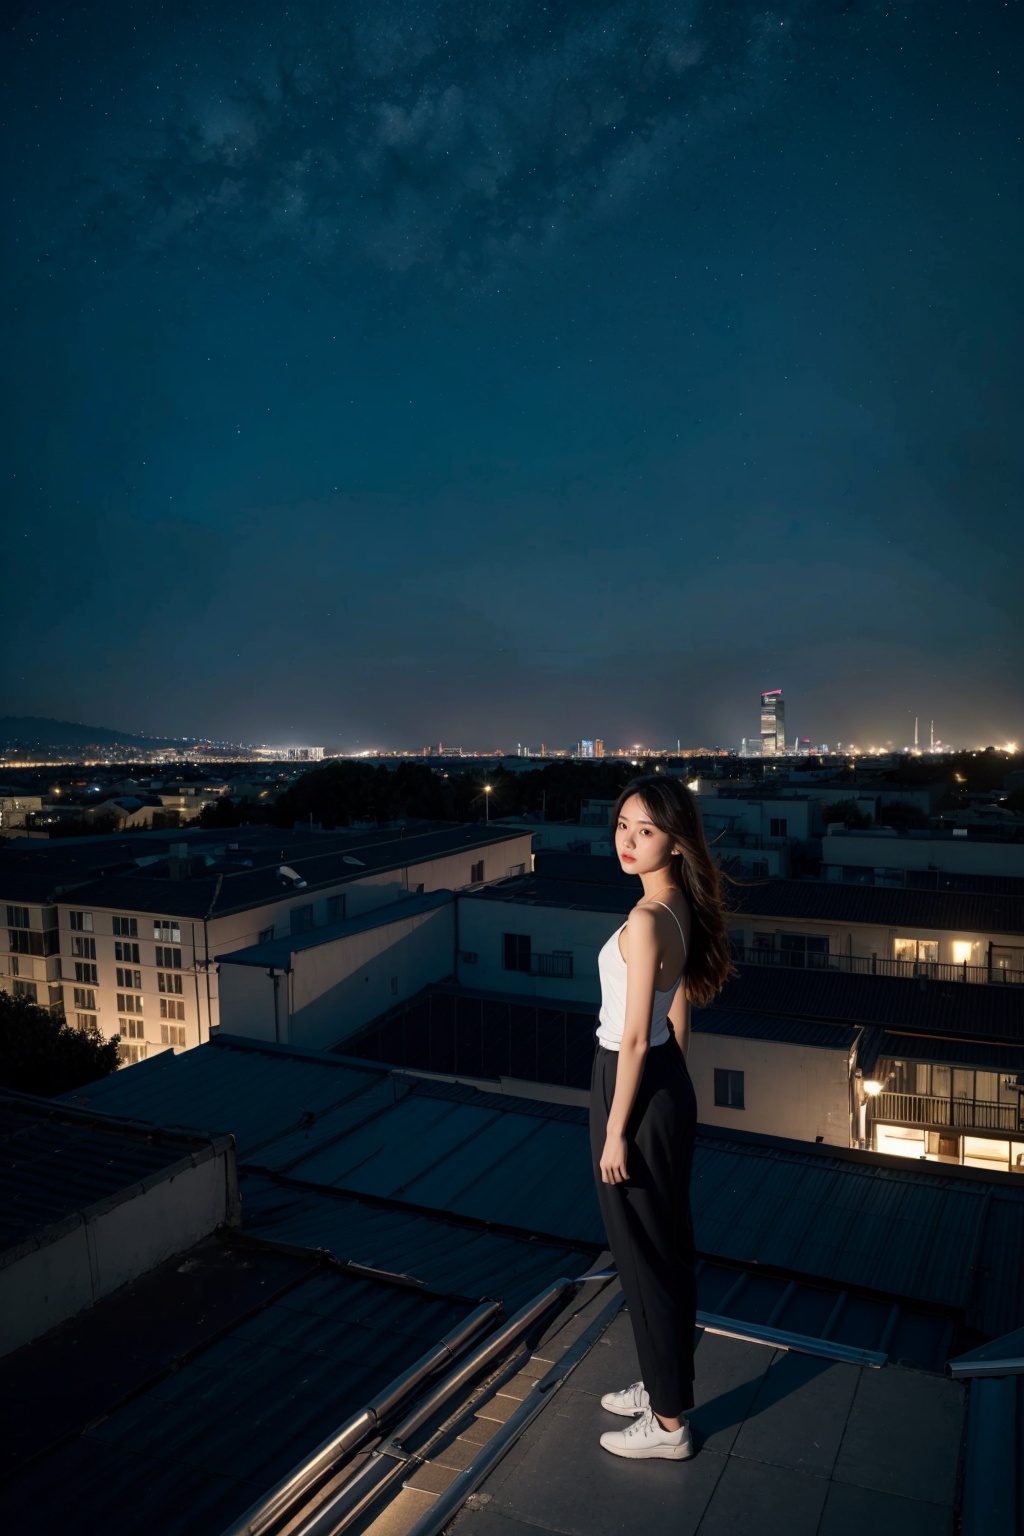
(779, 1338)
(456, 1494)
(390, 1462)
(280, 1499)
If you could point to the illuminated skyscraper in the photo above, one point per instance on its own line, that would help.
(773, 723)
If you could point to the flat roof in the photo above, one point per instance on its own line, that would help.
(241, 873)
(947, 1236)
(59, 1162)
(586, 881)
(278, 953)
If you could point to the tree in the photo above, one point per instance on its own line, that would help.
(41, 1053)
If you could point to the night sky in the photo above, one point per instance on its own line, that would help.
(385, 372)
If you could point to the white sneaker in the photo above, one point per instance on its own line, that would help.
(630, 1401)
(645, 1438)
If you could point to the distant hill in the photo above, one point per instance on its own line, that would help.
(37, 731)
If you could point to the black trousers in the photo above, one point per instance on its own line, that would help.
(647, 1219)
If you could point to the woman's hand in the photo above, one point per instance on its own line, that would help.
(613, 1160)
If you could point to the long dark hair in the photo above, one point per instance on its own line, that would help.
(673, 809)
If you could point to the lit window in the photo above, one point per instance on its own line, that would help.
(82, 921)
(167, 930)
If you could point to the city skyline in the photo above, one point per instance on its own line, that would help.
(418, 371)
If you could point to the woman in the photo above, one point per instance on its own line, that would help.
(672, 950)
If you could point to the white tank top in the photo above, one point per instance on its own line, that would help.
(612, 970)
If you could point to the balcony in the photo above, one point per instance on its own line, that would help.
(558, 965)
(962, 1114)
(875, 965)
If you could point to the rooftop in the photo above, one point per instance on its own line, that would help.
(580, 880)
(948, 1236)
(278, 953)
(223, 876)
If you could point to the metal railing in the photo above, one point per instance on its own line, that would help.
(927, 1109)
(557, 964)
(876, 965)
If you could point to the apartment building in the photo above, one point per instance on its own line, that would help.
(882, 856)
(125, 935)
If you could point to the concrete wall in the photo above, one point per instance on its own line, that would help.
(483, 922)
(789, 1090)
(333, 989)
(70, 1266)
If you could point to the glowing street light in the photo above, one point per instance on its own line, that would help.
(488, 790)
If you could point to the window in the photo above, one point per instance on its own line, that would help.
(728, 1089)
(127, 952)
(85, 998)
(128, 1003)
(126, 927)
(167, 930)
(266, 935)
(12, 965)
(130, 1054)
(86, 972)
(516, 869)
(132, 1029)
(805, 951)
(301, 918)
(168, 981)
(476, 873)
(81, 921)
(22, 941)
(129, 978)
(169, 1009)
(169, 958)
(87, 1023)
(777, 826)
(916, 951)
(335, 909)
(17, 917)
(764, 942)
(85, 949)
(173, 1034)
(516, 948)
(26, 989)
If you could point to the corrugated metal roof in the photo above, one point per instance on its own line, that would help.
(257, 1094)
(770, 1026)
(278, 952)
(853, 1218)
(933, 911)
(443, 1254)
(56, 1161)
(184, 1444)
(934, 1007)
(956, 1053)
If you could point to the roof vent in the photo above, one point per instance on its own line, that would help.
(292, 876)
(350, 858)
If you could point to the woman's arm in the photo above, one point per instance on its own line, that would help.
(679, 1017)
(641, 975)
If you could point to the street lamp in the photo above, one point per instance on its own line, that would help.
(487, 801)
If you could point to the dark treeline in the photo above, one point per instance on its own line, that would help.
(343, 792)
(40, 1053)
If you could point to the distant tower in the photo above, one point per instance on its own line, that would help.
(598, 747)
(915, 733)
(931, 741)
(773, 723)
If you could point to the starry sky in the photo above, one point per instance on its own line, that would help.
(386, 371)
